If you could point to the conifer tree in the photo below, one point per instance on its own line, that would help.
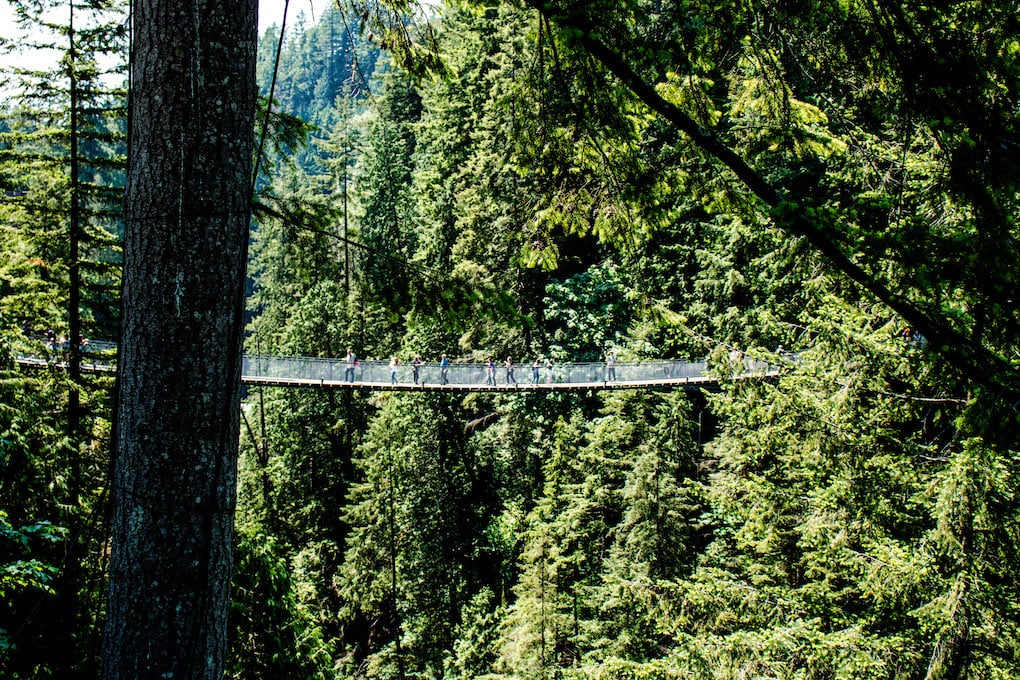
(386, 215)
(542, 630)
(412, 529)
(188, 209)
(62, 164)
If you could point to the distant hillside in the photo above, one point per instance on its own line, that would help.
(318, 64)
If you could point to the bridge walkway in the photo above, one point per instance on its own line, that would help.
(330, 373)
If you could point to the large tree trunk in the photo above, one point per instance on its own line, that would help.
(185, 245)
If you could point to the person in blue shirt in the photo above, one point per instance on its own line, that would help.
(444, 367)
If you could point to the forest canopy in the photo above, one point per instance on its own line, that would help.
(829, 186)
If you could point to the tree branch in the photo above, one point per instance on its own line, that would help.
(971, 358)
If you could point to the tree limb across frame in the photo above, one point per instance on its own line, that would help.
(976, 361)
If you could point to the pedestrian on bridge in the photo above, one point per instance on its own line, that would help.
(490, 372)
(509, 363)
(444, 368)
(416, 368)
(535, 367)
(549, 370)
(350, 362)
(610, 365)
(51, 345)
(394, 362)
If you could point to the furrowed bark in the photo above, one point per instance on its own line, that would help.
(185, 248)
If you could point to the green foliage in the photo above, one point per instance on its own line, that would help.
(317, 64)
(821, 506)
(38, 504)
(604, 538)
(587, 314)
(272, 634)
(43, 210)
(411, 518)
(24, 574)
(387, 216)
(62, 136)
(856, 517)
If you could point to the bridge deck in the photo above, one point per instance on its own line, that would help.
(689, 382)
(316, 372)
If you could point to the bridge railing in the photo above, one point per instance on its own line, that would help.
(312, 369)
(101, 356)
(96, 355)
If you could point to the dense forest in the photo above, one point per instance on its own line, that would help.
(830, 186)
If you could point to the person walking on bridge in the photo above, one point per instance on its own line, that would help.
(416, 368)
(610, 365)
(51, 345)
(509, 363)
(444, 368)
(349, 361)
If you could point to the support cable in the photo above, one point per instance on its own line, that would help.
(269, 102)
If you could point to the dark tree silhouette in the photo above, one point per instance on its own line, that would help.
(187, 210)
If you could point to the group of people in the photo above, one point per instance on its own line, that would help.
(352, 364)
(56, 344)
(511, 379)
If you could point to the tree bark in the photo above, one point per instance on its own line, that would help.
(192, 105)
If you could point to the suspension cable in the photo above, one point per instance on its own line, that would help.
(269, 102)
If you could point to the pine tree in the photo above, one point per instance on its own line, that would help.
(386, 214)
(412, 533)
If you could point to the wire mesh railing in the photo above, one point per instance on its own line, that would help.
(460, 373)
(100, 356)
(96, 355)
(263, 368)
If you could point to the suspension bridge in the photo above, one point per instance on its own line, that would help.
(459, 376)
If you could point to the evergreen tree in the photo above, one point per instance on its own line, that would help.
(413, 523)
(273, 635)
(317, 64)
(658, 539)
(827, 503)
(62, 164)
(386, 214)
(188, 209)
